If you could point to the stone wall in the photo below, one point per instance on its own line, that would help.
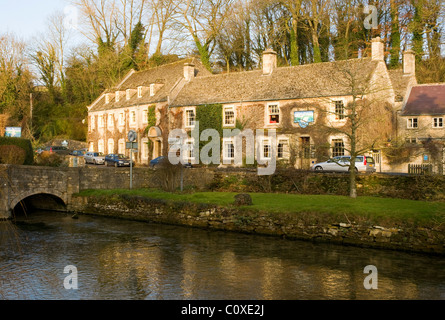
(305, 226)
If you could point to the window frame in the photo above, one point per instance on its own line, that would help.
(339, 116)
(334, 148)
(226, 155)
(269, 114)
(229, 109)
(410, 123)
(188, 124)
(439, 124)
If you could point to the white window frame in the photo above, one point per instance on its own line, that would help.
(268, 114)
(334, 140)
(121, 146)
(128, 94)
(145, 116)
(410, 123)
(186, 119)
(117, 96)
(226, 155)
(121, 119)
(140, 92)
(227, 109)
(152, 89)
(266, 142)
(144, 149)
(284, 141)
(100, 146)
(92, 122)
(110, 121)
(437, 122)
(337, 116)
(189, 156)
(110, 142)
(135, 120)
(100, 121)
(107, 98)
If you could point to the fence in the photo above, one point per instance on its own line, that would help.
(420, 169)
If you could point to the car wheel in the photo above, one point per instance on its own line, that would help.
(318, 168)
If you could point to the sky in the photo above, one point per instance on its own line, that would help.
(27, 18)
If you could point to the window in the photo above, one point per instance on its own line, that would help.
(282, 149)
(339, 110)
(107, 98)
(229, 116)
(412, 123)
(92, 122)
(437, 122)
(266, 150)
(110, 121)
(338, 148)
(152, 90)
(100, 146)
(110, 146)
(229, 149)
(121, 119)
(190, 118)
(411, 140)
(145, 116)
(117, 96)
(128, 94)
(121, 146)
(139, 92)
(274, 114)
(190, 151)
(133, 117)
(91, 148)
(100, 121)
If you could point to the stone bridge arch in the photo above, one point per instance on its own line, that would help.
(15, 200)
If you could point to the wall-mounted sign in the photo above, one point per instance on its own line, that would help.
(303, 118)
(13, 132)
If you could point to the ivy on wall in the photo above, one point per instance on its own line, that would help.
(209, 117)
(151, 116)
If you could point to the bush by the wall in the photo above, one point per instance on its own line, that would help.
(24, 144)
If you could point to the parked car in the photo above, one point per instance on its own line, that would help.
(117, 160)
(58, 149)
(94, 157)
(78, 153)
(158, 161)
(342, 164)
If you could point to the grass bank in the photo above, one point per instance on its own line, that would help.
(371, 208)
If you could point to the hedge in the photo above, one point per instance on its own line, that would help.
(25, 144)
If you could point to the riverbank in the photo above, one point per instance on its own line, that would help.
(396, 224)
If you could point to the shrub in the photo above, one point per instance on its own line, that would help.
(12, 155)
(23, 144)
(49, 159)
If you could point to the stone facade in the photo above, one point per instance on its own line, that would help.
(264, 99)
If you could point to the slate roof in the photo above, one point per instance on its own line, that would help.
(426, 99)
(168, 75)
(306, 81)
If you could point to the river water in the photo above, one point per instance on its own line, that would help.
(129, 260)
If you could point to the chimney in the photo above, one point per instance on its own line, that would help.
(378, 51)
(409, 62)
(189, 71)
(269, 61)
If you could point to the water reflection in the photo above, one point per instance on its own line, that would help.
(131, 260)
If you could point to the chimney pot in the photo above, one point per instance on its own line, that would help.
(378, 50)
(409, 62)
(269, 61)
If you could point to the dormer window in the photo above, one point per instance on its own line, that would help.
(128, 94)
(117, 96)
(107, 98)
(139, 92)
(152, 90)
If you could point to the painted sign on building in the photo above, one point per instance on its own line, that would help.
(13, 132)
(303, 118)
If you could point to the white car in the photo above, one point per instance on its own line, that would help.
(94, 157)
(341, 164)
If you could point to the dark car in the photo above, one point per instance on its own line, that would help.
(58, 149)
(117, 160)
(159, 160)
(78, 153)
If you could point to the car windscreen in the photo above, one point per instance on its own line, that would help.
(121, 156)
(370, 160)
